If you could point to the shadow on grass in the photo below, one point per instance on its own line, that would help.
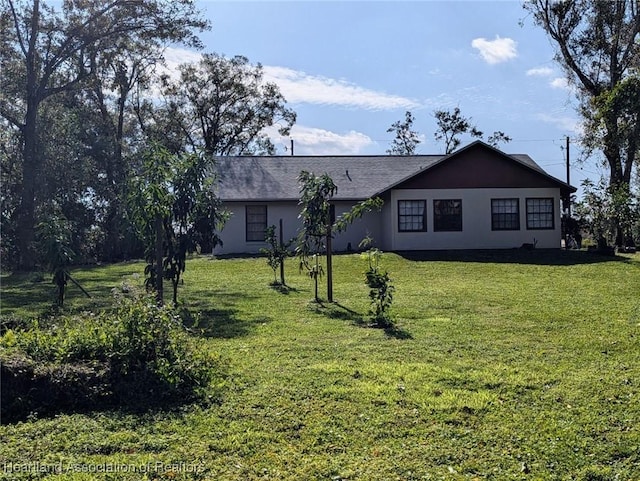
(282, 288)
(553, 257)
(33, 294)
(398, 333)
(220, 323)
(335, 310)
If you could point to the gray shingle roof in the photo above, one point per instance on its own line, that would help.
(276, 178)
(357, 177)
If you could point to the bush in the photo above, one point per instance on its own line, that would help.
(139, 356)
(151, 347)
(276, 254)
(380, 290)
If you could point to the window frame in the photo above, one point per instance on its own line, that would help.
(530, 213)
(262, 223)
(496, 219)
(443, 222)
(406, 217)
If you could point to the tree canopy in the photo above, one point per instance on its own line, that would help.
(598, 46)
(406, 139)
(223, 105)
(451, 125)
(47, 51)
(82, 102)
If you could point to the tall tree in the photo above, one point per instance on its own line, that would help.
(451, 125)
(598, 46)
(67, 180)
(10, 175)
(406, 139)
(223, 105)
(108, 100)
(45, 51)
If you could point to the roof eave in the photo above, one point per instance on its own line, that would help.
(293, 199)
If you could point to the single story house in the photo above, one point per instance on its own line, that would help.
(475, 198)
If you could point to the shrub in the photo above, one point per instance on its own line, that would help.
(276, 253)
(138, 356)
(152, 347)
(381, 290)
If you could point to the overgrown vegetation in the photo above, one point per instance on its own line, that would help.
(137, 356)
(610, 212)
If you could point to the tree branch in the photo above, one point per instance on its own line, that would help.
(11, 118)
(17, 25)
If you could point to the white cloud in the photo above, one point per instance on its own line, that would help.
(316, 141)
(560, 83)
(177, 56)
(562, 122)
(173, 57)
(540, 72)
(496, 51)
(300, 87)
(311, 141)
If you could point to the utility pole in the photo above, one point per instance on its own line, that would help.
(292, 147)
(568, 171)
(568, 178)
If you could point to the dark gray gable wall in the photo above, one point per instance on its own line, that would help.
(481, 166)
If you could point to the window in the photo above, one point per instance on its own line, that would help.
(412, 215)
(256, 216)
(505, 214)
(447, 215)
(540, 213)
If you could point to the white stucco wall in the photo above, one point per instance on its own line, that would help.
(369, 225)
(476, 221)
(234, 233)
(383, 226)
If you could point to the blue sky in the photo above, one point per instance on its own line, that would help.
(352, 68)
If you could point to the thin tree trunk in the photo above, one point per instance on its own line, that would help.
(282, 281)
(316, 278)
(159, 256)
(30, 159)
(30, 170)
(175, 291)
(329, 266)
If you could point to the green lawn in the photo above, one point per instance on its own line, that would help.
(507, 365)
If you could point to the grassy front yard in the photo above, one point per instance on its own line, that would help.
(508, 365)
